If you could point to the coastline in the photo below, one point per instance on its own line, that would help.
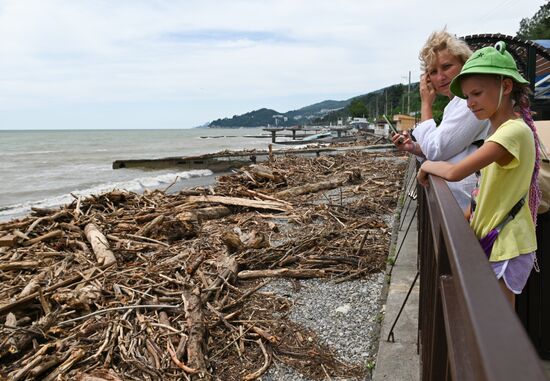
(332, 220)
(145, 174)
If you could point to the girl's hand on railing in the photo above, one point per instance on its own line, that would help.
(422, 176)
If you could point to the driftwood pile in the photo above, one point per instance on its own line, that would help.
(158, 286)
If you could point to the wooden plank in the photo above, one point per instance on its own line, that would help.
(9, 240)
(236, 201)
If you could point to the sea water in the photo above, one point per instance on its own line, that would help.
(51, 168)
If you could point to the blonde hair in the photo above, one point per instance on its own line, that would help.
(439, 41)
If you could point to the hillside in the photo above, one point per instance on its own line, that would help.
(265, 116)
(389, 100)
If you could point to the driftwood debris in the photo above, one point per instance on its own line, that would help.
(100, 245)
(123, 286)
(8, 240)
(237, 201)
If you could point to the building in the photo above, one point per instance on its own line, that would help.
(404, 122)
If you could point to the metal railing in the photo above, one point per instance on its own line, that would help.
(467, 328)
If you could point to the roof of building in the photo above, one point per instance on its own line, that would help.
(402, 116)
(545, 43)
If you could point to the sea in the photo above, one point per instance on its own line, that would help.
(47, 169)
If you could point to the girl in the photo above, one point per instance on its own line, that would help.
(505, 204)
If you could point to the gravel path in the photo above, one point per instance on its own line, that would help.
(345, 316)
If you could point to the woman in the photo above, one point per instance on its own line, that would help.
(442, 58)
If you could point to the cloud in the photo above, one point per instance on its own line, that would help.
(218, 54)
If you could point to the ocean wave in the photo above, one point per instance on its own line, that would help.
(134, 185)
(24, 153)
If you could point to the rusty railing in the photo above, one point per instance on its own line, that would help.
(467, 328)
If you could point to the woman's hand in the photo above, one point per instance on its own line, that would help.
(403, 142)
(427, 91)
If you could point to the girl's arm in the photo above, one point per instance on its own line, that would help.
(488, 153)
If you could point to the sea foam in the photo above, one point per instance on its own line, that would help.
(137, 185)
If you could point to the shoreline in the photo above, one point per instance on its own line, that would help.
(318, 210)
(310, 150)
(174, 188)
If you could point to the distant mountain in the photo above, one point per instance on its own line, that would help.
(315, 110)
(265, 116)
(261, 117)
(390, 100)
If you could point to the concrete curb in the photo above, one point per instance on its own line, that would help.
(399, 360)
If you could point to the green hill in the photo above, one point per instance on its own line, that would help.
(265, 116)
(389, 100)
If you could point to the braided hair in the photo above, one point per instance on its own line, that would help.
(520, 96)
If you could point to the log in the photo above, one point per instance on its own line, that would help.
(148, 228)
(175, 229)
(32, 286)
(67, 364)
(265, 196)
(27, 299)
(140, 219)
(230, 269)
(196, 344)
(41, 212)
(52, 234)
(8, 240)
(281, 273)
(98, 375)
(100, 245)
(232, 241)
(22, 373)
(14, 225)
(263, 172)
(71, 227)
(310, 188)
(46, 364)
(237, 201)
(193, 266)
(53, 217)
(24, 339)
(212, 213)
(21, 265)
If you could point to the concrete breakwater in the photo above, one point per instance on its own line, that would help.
(226, 160)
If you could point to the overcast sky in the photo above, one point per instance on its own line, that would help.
(79, 64)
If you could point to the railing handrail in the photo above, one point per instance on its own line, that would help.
(483, 337)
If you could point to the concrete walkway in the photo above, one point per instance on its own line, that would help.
(399, 360)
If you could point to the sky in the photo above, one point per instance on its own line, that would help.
(120, 64)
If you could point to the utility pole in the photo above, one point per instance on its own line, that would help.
(409, 95)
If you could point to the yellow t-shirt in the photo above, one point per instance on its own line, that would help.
(501, 187)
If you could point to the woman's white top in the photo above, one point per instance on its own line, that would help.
(452, 141)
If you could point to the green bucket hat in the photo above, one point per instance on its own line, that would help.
(488, 60)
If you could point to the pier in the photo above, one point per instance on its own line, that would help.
(224, 161)
(339, 130)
